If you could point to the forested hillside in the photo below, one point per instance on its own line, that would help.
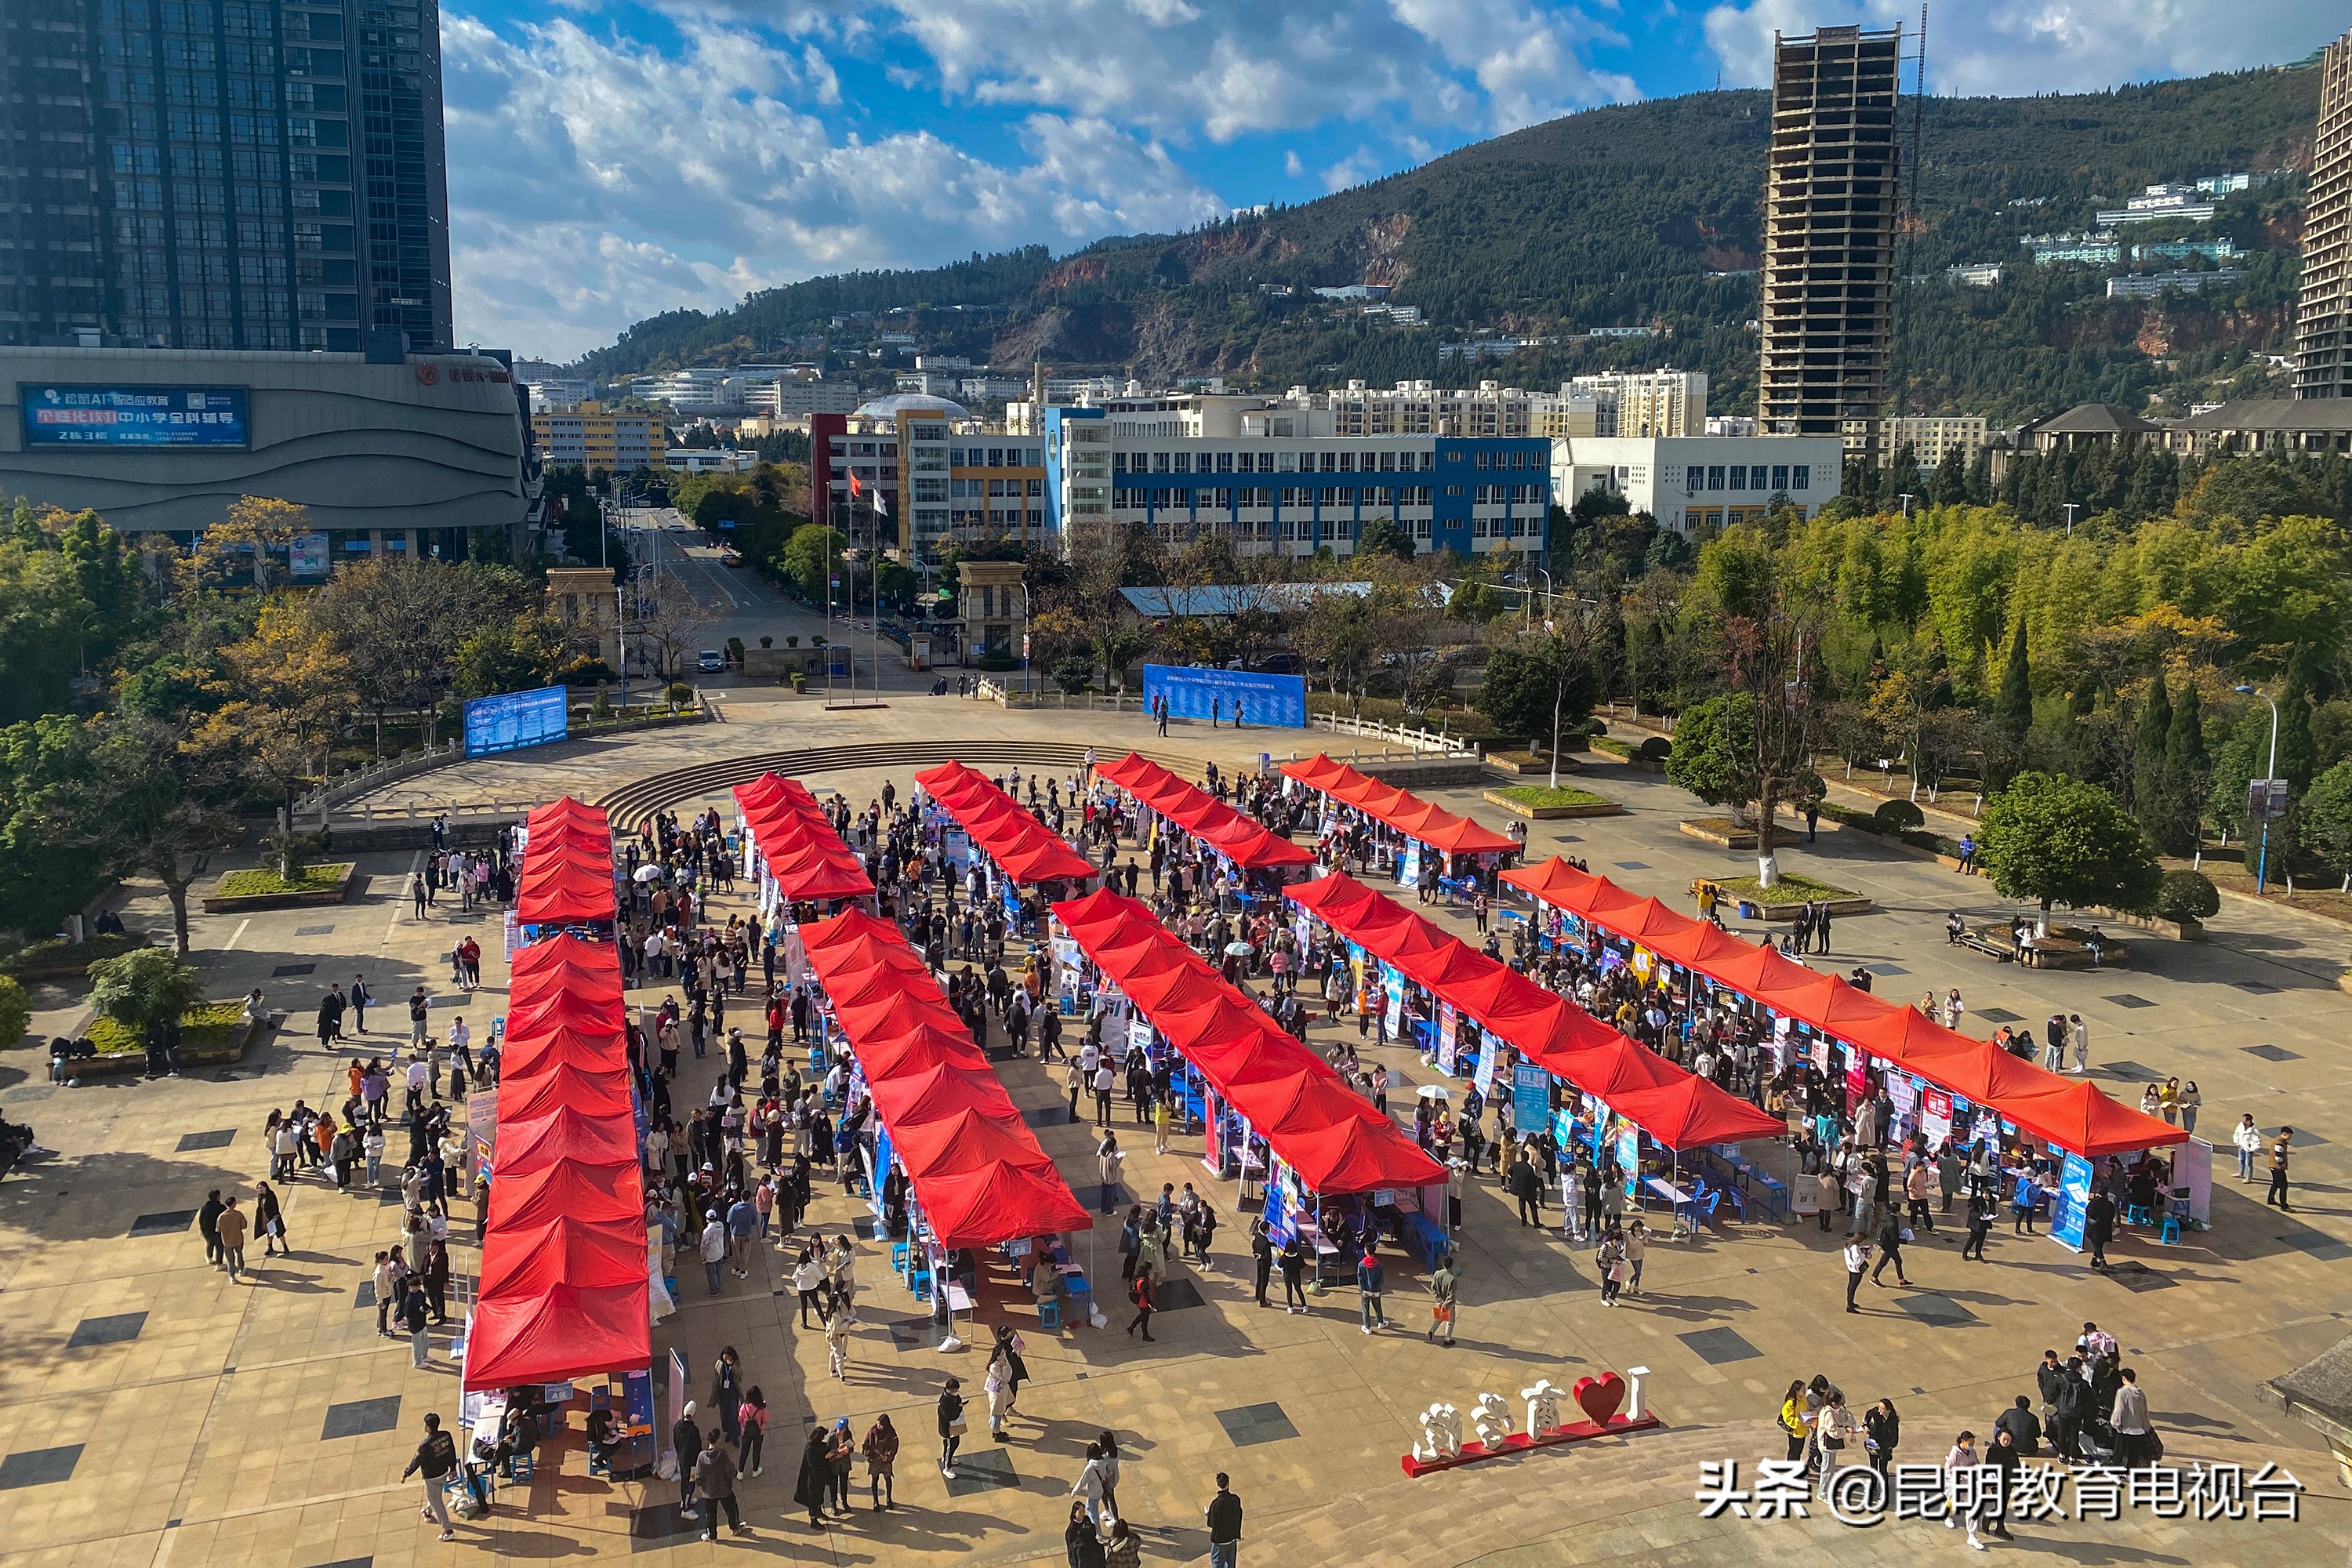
(1644, 213)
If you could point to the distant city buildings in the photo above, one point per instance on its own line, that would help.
(2157, 203)
(1829, 230)
(2085, 249)
(592, 436)
(2147, 285)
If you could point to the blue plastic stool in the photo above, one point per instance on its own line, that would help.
(920, 1284)
(525, 1466)
(2170, 1235)
(1049, 1315)
(899, 1257)
(2138, 1213)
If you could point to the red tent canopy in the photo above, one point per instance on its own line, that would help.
(1289, 1094)
(533, 1094)
(555, 889)
(2078, 1117)
(976, 1169)
(562, 1332)
(524, 1203)
(566, 964)
(1413, 817)
(1246, 842)
(795, 841)
(577, 1135)
(1024, 846)
(572, 1250)
(1691, 1113)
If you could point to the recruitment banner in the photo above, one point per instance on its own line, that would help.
(2067, 1204)
(1224, 696)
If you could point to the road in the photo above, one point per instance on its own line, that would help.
(744, 604)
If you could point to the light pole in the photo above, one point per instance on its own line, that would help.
(1558, 692)
(1907, 498)
(1531, 592)
(2263, 854)
(2072, 508)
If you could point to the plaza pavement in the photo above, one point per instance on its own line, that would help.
(265, 1423)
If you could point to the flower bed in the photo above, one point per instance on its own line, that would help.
(1542, 802)
(262, 888)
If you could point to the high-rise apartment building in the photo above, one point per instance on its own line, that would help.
(1829, 231)
(2322, 326)
(1662, 402)
(223, 173)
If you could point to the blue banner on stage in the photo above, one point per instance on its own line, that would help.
(1276, 702)
(515, 719)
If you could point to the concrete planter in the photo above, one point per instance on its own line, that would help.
(1534, 767)
(220, 903)
(1720, 833)
(1548, 813)
(1751, 909)
(133, 1064)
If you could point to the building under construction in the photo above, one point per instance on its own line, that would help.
(1830, 208)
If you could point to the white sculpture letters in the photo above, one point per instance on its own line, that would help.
(1492, 1418)
(1543, 1406)
(1441, 1434)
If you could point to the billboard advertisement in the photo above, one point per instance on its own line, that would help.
(1278, 701)
(306, 555)
(515, 719)
(62, 415)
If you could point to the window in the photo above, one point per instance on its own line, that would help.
(1801, 476)
(1481, 459)
(1347, 462)
(1387, 462)
(1185, 462)
(1421, 527)
(1455, 490)
(1224, 463)
(1160, 462)
(1740, 476)
(1451, 457)
(1478, 528)
(1780, 476)
(1117, 460)
(1714, 477)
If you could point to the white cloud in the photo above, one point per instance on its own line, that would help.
(596, 180)
(1353, 170)
(2011, 46)
(1292, 164)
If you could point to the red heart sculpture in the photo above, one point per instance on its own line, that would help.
(1600, 1397)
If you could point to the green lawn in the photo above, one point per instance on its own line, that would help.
(53, 955)
(1791, 889)
(213, 1025)
(312, 879)
(1538, 796)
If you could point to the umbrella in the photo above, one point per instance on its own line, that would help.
(648, 873)
(1238, 949)
(1432, 1091)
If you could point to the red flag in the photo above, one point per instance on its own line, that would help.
(856, 490)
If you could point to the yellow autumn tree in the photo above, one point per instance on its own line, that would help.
(286, 687)
(241, 543)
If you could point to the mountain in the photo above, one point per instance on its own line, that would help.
(1635, 214)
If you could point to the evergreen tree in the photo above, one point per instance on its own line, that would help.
(2298, 752)
(2151, 774)
(2013, 709)
(1950, 483)
(2184, 744)
(1980, 487)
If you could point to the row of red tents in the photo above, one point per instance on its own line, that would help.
(567, 866)
(1415, 818)
(975, 1167)
(563, 1291)
(1678, 1109)
(1336, 1140)
(2063, 1111)
(795, 843)
(1242, 840)
(1025, 848)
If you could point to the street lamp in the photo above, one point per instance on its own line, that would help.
(2072, 508)
(2263, 854)
(1531, 592)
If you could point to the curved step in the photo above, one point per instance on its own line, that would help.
(631, 802)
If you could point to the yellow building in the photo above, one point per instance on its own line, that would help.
(595, 437)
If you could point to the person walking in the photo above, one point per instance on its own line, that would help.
(1445, 1294)
(231, 1229)
(415, 1316)
(2081, 1032)
(1088, 1488)
(435, 1461)
(1857, 1261)
(1294, 1274)
(1141, 1292)
(2099, 1226)
(1082, 1544)
(2131, 1422)
(1980, 1213)
(751, 1421)
(1890, 1250)
(814, 1486)
(2247, 1138)
(1964, 1504)
(881, 1448)
(727, 1395)
(951, 1426)
(1370, 1279)
(269, 1221)
(2277, 1193)
(1107, 1161)
(714, 1477)
(1524, 1185)
(1224, 1517)
(714, 1248)
(686, 1440)
(208, 1224)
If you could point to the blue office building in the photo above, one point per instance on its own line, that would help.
(1273, 478)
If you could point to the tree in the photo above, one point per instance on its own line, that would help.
(2325, 829)
(1535, 685)
(145, 986)
(2013, 709)
(43, 877)
(2152, 792)
(44, 619)
(16, 1010)
(1714, 753)
(256, 528)
(530, 650)
(1384, 536)
(670, 624)
(282, 690)
(399, 621)
(2057, 840)
(810, 560)
(143, 811)
(1338, 634)
(2186, 769)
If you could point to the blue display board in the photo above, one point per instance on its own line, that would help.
(515, 719)
(1530, 1098)
(1276, 702)
(62, 415)
(2069, 1202)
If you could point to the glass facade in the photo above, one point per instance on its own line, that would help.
(223, 173)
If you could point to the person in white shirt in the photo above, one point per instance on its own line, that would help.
(2082, 1033)
(2247, 1138)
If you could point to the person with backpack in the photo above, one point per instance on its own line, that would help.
(436, 1461)
(1141, 1293)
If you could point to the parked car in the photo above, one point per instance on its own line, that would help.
(710, 661)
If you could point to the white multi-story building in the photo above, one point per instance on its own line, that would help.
(1692, 483)
(560, 395)
(2158, 203)
(1424, 408)
(792, 397)
(1931, 435)
(1662, 401)
(1280, 477)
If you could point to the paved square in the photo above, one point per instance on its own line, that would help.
(2274, 1053)
(39, 1467)
(287, 971)
(2125, 999)
(314, 931)
(358, 1417)
(2318, 1243)
(169, 1222)
(2137, 1277)
(1174, 1295)
(192, 1142)
(119, 1328)
(1253, 1423)
(977, 1470)
(1939, 1311)
(1998, 1016)
(1718, 1346)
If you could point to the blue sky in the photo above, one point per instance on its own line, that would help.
(609, 160)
